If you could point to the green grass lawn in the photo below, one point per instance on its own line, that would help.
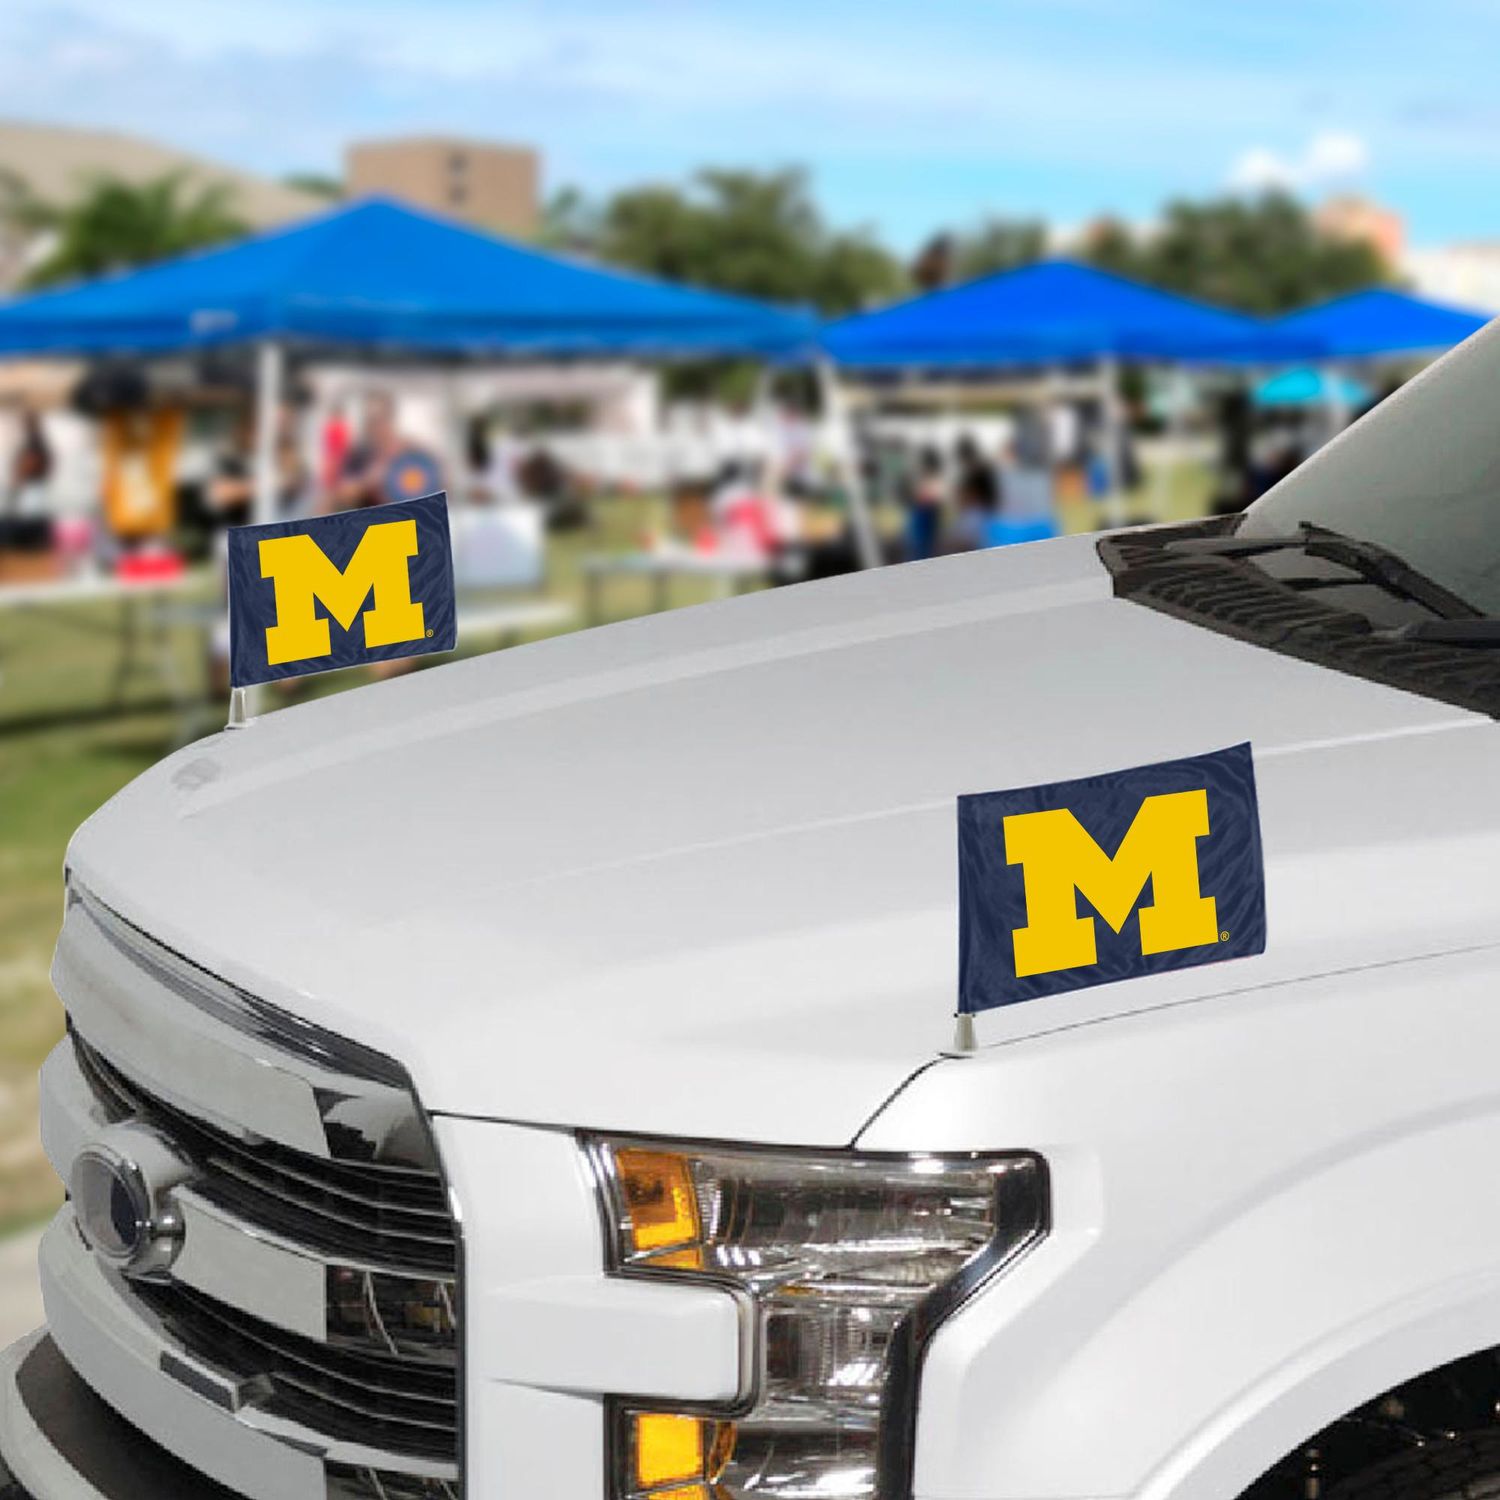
(63, 752)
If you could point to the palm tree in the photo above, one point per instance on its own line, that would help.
(22, 217)
(117, 224)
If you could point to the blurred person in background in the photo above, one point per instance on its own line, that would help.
(748, 517)
(1236, 424)
(334, 442)
(1067, 436)
(478, 459)
(564, 494)
(978, 492)
(229, 498)
(739, 434)
(385, 466)
(925, 497)
(500, 473)
(1033, 438)
(1031, 482)
(795, 456)
(1094, 448)
(30, 469)
(1128, 464)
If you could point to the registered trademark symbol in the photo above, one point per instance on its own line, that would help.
(1223, 937)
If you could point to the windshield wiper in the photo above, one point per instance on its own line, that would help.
(1369, 560)
(1483, 630)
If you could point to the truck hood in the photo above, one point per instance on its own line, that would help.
(696, 874)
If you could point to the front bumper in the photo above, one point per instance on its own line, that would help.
(160, 1386)
(64, 1437)
(59, 1441)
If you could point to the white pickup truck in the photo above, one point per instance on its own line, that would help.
(537, 1078)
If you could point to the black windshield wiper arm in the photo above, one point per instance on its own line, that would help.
(1483, 630)
(1368, 559)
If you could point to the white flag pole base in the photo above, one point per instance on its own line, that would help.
(239, 709)
(964, 1040)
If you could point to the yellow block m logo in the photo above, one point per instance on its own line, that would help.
(1059, 860)
(302, 576)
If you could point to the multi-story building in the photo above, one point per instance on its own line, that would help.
(1349, 217)
(1466, 274)
(488, 184)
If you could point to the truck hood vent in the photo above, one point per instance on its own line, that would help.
(1241, 601)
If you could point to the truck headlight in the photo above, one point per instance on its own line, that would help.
(850, 1262)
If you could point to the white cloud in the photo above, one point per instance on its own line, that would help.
(1336, 155)
(1260, 169)
(1332, 158)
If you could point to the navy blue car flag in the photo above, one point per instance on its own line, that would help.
(1110, 877)
(340, 590)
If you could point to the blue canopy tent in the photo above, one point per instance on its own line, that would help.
(1310, 386)
(378, 273)
(1381, 322)
(1055, 313)
(1375, 324)
(1051, 313)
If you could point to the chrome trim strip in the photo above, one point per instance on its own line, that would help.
(209, 1049)
(71, 1115)
(247, 1270)
(243, 1011)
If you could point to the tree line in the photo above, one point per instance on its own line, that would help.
(762, 234)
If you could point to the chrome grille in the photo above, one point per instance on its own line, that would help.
(306, 1157)
(401, 1406)
(415, 1319)
(371, 1211)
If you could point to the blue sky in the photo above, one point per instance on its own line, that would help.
(909, 116)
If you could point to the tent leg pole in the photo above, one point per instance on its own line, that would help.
(246, 702)
(1338, 408)
(866, 543)
(1176, 431)
(1109, 397)
(1161, 478)
(765, 420)
(772, 474)
(455, 424)
(268, 382)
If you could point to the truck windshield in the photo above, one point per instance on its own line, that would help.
(1419, 478)
(1379, 557)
